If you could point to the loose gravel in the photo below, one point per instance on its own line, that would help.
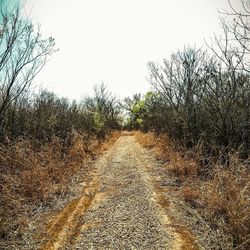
(124, 214)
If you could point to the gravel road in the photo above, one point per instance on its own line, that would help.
(124, 213)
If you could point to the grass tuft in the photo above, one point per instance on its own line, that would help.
(222, 200)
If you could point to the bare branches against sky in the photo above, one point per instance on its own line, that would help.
(112, 41)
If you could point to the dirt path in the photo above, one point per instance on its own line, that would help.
(120, 209)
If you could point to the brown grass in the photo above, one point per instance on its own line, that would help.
(190, 195)
(65, 227)
(177, 162)
(34, 174)
(222, 201)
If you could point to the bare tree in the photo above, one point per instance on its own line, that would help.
(107, 105)
(177, 80)
(23, 54)
(236, 26)
(229, 84)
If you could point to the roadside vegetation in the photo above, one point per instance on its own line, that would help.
(44, 140)
(199, 117)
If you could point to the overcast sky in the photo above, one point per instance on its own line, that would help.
(112, 40)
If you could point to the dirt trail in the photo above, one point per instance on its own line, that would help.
(121, 208)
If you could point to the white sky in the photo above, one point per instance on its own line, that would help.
(112, 40)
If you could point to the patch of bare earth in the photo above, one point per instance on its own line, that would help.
(123, 206)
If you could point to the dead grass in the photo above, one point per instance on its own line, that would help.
(34, 174)
(222, 201)
(177, 162)
(190, 195)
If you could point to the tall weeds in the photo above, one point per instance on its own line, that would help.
(34, 174)
(222, 199)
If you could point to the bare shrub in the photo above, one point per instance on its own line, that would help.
(221, 201)
(31, 176)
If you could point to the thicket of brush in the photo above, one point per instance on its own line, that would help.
(202, 100)
(221, 202)
(197, 100)
(34, 174)
(202, 96)
(44, 139)
(44, 143)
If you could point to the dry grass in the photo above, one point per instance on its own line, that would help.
(227, 202)
(222, 201)
(32, 175)
(177, 162)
